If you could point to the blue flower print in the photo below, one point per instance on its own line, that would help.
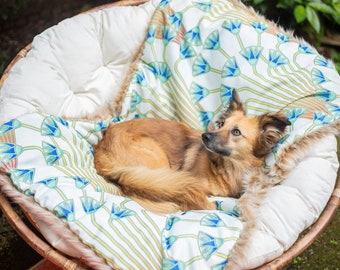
(60, 120)
(230, 68)
(318, 77)
(305, 49)
(198, 92)
(102, 125)
(294, 114)
(52, 153)
(90, 205)
(65, 210)
(193, 36)
(50, 182)
(160, 70)
(80, 182)
(171, 221)
(9, 126)
(168, 34)
(175, 20)
(225, 93)
(135, 99)
(260, 27)
(118, 212)
(151, 34)
(219, 266)
(320, 118)
(232, 26)
(186, 50)
(164, 3)
(50, 128)
(139, 78)
(168, 264)
(169, 241)
(277, 59)
(205, 118)
(325, 95)
(212, 220)
(212, 42)
(200, 66)
(252, 54)
(334, 110)
(282, 38)
(323, 62)
(208, 244)
(9, 151)
(204, 6)
(23, 175)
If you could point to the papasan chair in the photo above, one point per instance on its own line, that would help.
(172, 59)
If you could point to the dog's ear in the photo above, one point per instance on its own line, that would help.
(272, 128)
(234, 105)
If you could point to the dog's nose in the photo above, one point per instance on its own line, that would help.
(206, 137)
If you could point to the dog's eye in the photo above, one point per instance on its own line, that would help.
(236, 132)
(219, 124)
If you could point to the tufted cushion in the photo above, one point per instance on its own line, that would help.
(78, 64)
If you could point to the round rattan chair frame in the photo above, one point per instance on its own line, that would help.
(60, 260)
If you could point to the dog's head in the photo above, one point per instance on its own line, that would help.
(240, 137)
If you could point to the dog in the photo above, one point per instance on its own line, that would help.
(167, 166)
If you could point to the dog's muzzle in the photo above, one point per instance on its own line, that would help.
(212, 143)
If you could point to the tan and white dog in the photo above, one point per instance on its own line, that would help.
(167, 166)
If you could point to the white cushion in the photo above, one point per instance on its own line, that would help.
(77, 65)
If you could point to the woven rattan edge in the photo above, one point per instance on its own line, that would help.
(22, 53)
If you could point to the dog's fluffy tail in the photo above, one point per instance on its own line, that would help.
(161, 190)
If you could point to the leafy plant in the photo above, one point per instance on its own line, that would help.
(297, 260)
(311, 14)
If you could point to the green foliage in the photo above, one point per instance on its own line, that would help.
(297, 260)
(333, 242)
(335, 55)
(7, 8)
(310, 14)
